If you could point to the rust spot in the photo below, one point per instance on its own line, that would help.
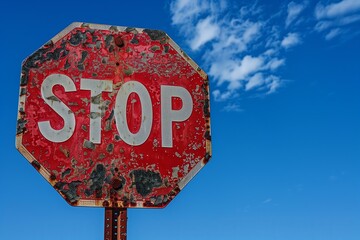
(117, 184)
(206, 108)
(105, 203)
(36, 165)
(207, 135)
(72, 203)
(119, 42)
(52, 177)
(22, 112)
(207, 158)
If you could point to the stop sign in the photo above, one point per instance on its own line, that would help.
(114, 116)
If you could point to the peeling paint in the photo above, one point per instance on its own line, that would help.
(155, 34)
(89, 144)
(97, 179)
(69, 190)
(21, 126)
(145, 181)
(113, 173)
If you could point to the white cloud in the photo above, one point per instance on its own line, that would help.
(247, 66)
(335, 19)
(251, 31)
(267, 201)
(338, 9)
(333, 33)
(323, 25)
(269, 52)
(293, 11)
(233, 107)
(349, 20)
(255, 81)
(219, 96)
(273, 83)
(241, 48)
(205, 31)
(184, 11)
(291, 40)
(275, 63)
(341, 22)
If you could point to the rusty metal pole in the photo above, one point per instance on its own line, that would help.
(115, 224)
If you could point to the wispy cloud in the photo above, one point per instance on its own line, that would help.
(232, 107)
(293, 11)
(184, 11)
(291, 40)
(337, 9)
(333, 33)
(205, 31)
(268, 200)
(336, 18)
(243, 48)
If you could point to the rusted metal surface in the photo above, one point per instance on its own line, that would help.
(115, 226)
(90, 161)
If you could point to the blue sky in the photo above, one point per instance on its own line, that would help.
(285, 111)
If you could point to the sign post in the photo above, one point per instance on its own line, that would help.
(114, 117)
(115, 224)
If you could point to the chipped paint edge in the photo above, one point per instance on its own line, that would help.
(186, 57)
(114, 28)
(184, 181)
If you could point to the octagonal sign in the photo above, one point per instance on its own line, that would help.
(114, 116)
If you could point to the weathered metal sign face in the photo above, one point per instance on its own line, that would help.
(114, 116)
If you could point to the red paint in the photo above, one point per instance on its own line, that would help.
(72, 167)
